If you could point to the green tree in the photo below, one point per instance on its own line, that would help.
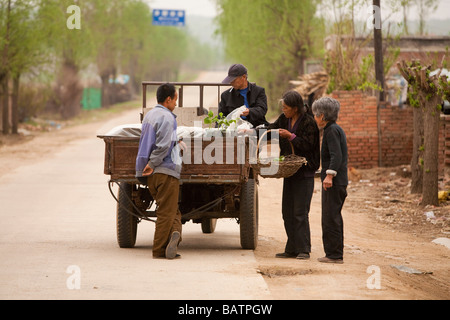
(126, 42)
(5, 66)
(107, 25)
(136, 37)
(23, 46)
(115, 35)
(71, 51)
(272, 38)
(346, 61)
(168, 50)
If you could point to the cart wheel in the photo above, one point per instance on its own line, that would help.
(209, 225)
(249, 215)
(126, 223)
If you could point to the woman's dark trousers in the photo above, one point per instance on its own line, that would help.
(332, 223)
(297, 194)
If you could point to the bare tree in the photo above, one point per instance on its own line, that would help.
(405, 4)
(425, 7)
(429, 90)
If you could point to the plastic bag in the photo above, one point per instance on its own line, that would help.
(240, 123)
(125, 130)
(189, 132)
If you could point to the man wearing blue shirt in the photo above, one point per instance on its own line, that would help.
(244, 93)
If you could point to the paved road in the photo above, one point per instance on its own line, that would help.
(58, 240)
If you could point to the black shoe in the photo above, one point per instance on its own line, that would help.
(303, 256)
(164, 257)
(329, 260)
(285, 255)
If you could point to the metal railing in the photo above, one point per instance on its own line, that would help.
(200, 110)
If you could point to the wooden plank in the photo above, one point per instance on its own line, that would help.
(120, 161)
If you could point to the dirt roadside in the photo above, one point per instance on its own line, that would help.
(384, 227)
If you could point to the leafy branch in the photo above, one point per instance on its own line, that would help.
(220, 120)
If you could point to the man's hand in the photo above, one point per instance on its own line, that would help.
(182, 145)
(245, 113)
(147, 171)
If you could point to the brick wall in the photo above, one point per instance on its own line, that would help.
(358, 118)
(396, 136)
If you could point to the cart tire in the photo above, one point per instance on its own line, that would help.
(126, 223)
(249, 215)
(209, 225)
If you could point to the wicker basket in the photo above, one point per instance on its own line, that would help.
(286, 168)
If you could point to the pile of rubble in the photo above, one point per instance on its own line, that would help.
(384, 193)
(312, 83)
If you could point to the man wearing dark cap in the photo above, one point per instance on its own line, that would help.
(244, 93)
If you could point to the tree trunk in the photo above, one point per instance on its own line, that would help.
(429, 91)
(108, 88)
(69, 91)
(5, 73)
(105, 90)
(431, 146)
(15, 104)
(5, 112)
(405, 19)
(417, 152)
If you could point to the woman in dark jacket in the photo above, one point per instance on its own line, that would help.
(334, 178)
(298, 127)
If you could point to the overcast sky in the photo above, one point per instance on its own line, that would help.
(208, 8)
(442, 12)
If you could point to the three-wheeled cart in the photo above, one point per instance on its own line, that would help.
(225, 188)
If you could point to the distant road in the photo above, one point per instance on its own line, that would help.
(58, 236)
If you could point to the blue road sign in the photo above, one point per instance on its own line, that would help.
(163, 17)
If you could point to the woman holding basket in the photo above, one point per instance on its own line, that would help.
(297, 127)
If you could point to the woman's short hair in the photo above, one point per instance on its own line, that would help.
(327, 106)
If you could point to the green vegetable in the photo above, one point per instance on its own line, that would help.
(220, 120)
(279, 159)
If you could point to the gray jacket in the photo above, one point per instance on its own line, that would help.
(158, 143)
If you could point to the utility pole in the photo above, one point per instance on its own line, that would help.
(378, 46)
(379, 70)
(4, 73)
